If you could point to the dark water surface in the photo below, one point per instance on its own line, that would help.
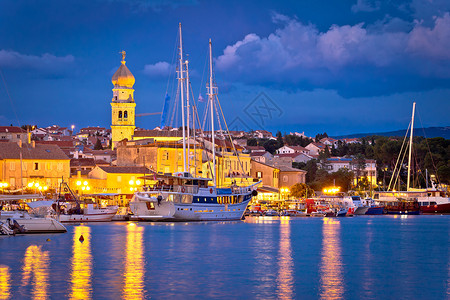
(378, 257)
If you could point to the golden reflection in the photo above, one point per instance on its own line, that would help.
(5, 285)
(285, 279)
(331, 266)
(35, 269)
(134, 265)
(81, 264)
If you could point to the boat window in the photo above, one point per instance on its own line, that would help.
(425, 203)
(432, 203)
(176, 198)
(241, 198)
(186, 198)
(150, 206)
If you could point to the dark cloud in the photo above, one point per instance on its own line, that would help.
(353, 59)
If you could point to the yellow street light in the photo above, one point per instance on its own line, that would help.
(88, 188)
(30, 184)
(78, 182)
(36, 184)
(45, 188)
(131, 182)
(40, 188)
(138, 182)
(85, 183)
(83, 188)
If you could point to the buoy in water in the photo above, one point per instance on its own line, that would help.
(81, 239)
(48, 240)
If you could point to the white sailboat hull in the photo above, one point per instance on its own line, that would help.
(91, 215)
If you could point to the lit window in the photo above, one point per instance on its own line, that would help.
(36, 166)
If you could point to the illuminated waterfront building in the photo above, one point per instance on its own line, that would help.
(33, 166)
(122, 105)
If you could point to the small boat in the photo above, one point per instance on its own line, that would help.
(402, 207)
(34, 222)
(68, 209)
(341, 212)
(271, 213)
(318, 214)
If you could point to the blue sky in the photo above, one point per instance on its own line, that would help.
(314, 66)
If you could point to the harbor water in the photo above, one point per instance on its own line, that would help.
(363, 257)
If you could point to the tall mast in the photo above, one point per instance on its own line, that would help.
(181, 78)
(410, 147)
(188, 116)
(211, 99)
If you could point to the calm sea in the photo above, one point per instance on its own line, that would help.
(379, 257)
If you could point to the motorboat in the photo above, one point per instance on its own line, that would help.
(91, 213)
(35, 222)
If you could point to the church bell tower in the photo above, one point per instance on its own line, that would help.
(122, 104)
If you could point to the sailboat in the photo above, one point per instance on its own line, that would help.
(180, 196)
(413, 201)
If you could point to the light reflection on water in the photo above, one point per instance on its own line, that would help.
(331, 269)
(5, 285)
(35, 271)
(81, 281)
(285, 279)
(262, 258)
(134, 263)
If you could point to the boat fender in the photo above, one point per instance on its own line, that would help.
(210, 190)
(183, 189)
(254, 193)
(159, 198)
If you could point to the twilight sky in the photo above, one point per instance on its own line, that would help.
(314, 66)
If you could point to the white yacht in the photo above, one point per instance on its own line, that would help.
(182, 197)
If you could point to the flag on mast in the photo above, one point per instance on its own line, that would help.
(200, 98)
(164, 112)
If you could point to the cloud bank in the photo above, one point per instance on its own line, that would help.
(356, 60)
(47, 64)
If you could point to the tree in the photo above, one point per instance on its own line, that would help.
(252, 142)
(98, 145)
(359, 164)
(280, 139)
(301, 190)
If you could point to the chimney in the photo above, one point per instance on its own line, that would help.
(33, 144)
(29, 136)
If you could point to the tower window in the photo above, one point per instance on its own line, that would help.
(115, 97)
(125, 114)
(120, 114)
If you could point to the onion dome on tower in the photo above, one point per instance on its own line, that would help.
(123, 76)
